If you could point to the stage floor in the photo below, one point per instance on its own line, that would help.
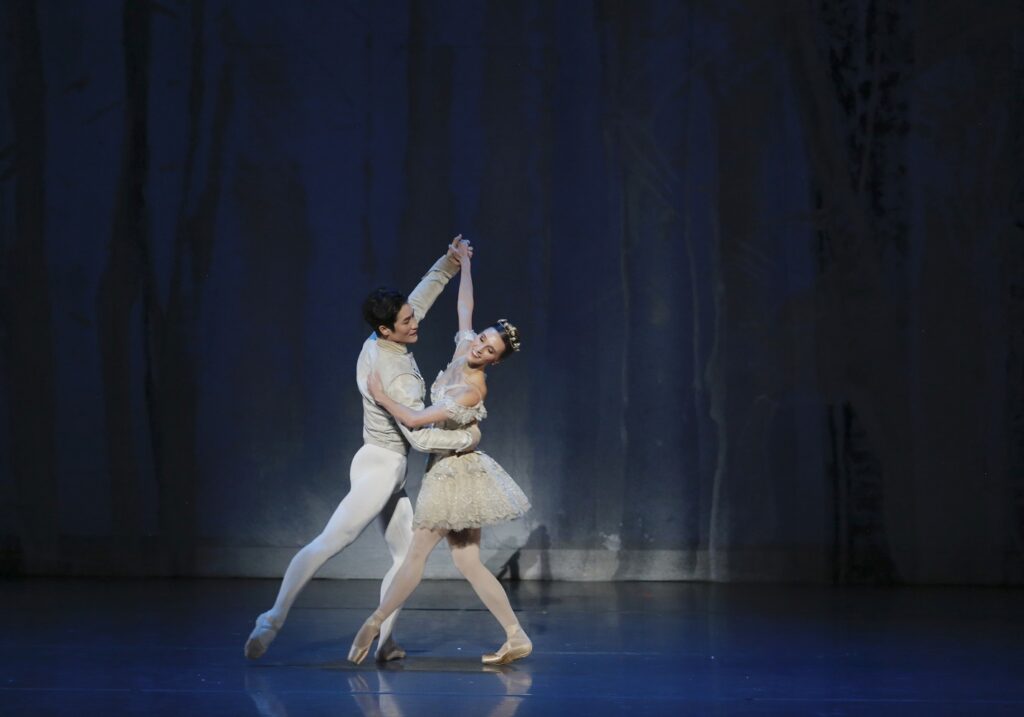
(174, 647)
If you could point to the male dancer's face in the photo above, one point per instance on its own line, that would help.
(406, 327)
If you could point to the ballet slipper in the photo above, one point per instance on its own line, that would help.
(261, 637)
(516, 647)
(389, 650)
(364, 639)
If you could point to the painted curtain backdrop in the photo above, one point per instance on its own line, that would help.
(766, 258)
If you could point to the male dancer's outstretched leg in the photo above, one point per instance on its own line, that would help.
(376, 473)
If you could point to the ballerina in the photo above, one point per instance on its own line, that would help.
(461, 491)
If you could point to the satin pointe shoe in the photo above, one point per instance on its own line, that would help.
(261, 637)
(516, 647)
(364, 639)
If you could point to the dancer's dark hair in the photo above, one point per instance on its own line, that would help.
(382, 306)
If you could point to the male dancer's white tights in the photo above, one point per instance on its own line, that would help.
(377, 476)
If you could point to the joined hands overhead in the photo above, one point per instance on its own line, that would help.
(460, 249)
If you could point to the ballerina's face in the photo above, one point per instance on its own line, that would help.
(486, 349)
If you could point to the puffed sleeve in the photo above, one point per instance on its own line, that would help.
(464, 335)
(462, 414)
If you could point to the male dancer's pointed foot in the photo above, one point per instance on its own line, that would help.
(261, 637)
(389, 650)
(516, 647)
(364, 639)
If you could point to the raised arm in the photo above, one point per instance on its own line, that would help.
(465, 303)
(463, 339)
(433, 282)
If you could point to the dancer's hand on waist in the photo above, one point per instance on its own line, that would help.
(474, 431)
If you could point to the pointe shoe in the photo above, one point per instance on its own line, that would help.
(364, 639)
(389, 650)
(516, 647)
(261, 637)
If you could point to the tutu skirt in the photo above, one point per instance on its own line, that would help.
(467, 491)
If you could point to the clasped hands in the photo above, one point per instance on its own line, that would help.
(460, 249)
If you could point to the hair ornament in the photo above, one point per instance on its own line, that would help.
(510, 333)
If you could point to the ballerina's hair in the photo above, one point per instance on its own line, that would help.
(510, 335)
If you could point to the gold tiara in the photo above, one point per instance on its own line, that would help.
(510, 333)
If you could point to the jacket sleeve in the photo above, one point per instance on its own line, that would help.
(431, 285)
(406, 389)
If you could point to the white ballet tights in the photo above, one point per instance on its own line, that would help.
(466, 555)
(377, 475)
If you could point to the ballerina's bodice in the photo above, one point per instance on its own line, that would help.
(448, 381)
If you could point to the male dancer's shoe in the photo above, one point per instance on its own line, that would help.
(389, 650)
(516, 647)
(261, 637)
(364, 638)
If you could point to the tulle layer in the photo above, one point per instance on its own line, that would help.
(468, 491)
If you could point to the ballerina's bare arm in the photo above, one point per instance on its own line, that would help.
(410, 417)
(464, 255)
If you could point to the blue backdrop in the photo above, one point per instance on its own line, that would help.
(766, 258)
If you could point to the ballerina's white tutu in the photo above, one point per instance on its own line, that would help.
(467, 490)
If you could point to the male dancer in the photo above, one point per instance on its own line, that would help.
(378, 467)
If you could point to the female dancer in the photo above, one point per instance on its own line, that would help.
(460, 491)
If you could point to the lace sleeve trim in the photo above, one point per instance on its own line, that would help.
(467, 335)
(463, 414)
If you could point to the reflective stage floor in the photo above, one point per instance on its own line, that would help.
(174, 647)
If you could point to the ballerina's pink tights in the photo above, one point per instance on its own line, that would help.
(465, 547)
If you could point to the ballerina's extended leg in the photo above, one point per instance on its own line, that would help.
(465, 547)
